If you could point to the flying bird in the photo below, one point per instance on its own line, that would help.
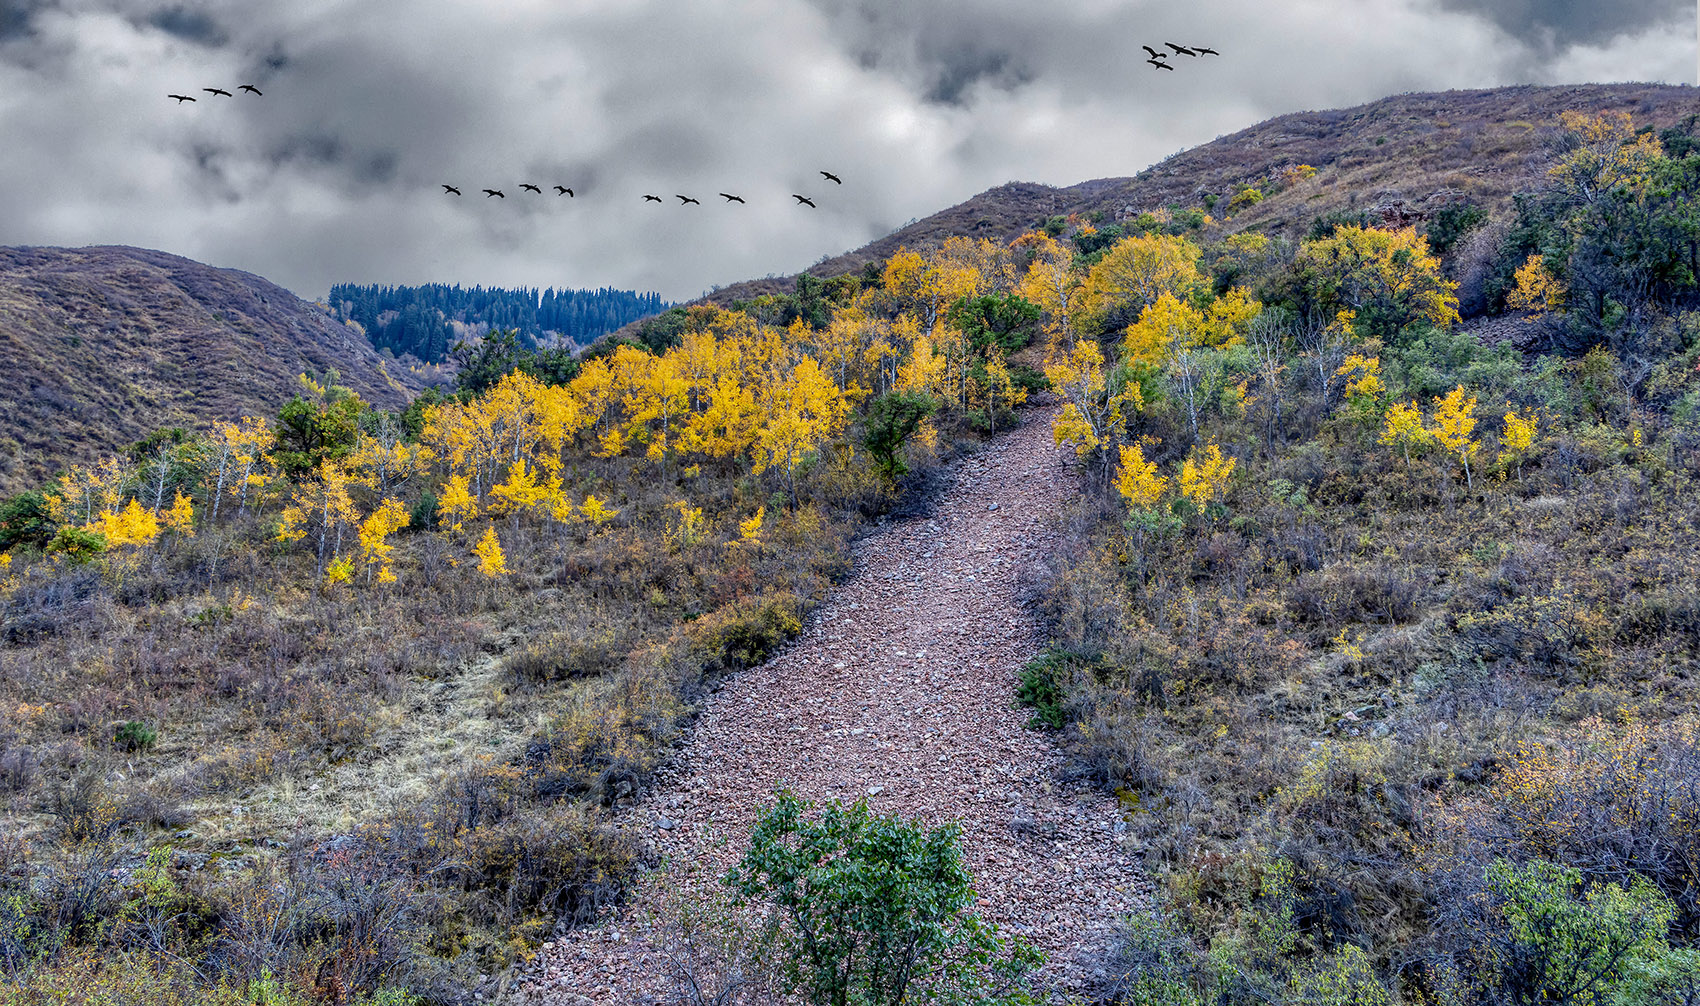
(528, 185)
(218, 90)
(1180, 49)
(1159, 63)
(451, 188)
(832, 177)
(562, 190)
(494, 192)
(804, 200)
(685, 199)
(250, 87)
(649, 198)
(1205, 50)
(1154, 53)
(729, 197)
(181, 98)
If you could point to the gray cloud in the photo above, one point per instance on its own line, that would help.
(370, 104)
(190, 25)
(1564, 23)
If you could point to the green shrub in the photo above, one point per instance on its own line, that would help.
(134, 735)
(875, 910)
(25, 520)
(1041, 689)
(1451, 223)
(77, 545)
(745, 633)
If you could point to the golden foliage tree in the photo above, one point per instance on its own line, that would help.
(491, 561)
(1389, 280)
(1138, 480)
(1204, 480)
(1404, 426)
(1454, 420)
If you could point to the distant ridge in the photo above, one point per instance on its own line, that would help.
(103, 345)
(1405, 154)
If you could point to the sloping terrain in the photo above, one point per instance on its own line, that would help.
(900, 690)
(1402, 156)
(104, 345)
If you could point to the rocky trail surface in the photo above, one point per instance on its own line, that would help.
(900, 689)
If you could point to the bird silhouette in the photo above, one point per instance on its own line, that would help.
(1159, 63)
(250, 87)
(832, 177)
(218, 90)
(528, 185)
(181, 98)
(804, 200)
(1154, 53)
(1180, 49)
(729, 197)
(653, 199)
(494, 192)
(450, 188)
(1205, 50)
(562, 190)
(686, 199)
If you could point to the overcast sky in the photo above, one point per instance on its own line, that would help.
(369, 105)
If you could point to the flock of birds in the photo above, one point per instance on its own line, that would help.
(562, 190)
(1156, 57)
(181, 98)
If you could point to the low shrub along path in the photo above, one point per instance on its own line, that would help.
(900, 689)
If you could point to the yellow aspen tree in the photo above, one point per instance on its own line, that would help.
(1363, 376)
(808, 410)
(1206, 480)
(998, 389)
(595, 512)
(1517, 439)
(321, 505)
(456, 504)
(180, 518)
(85, 492)
(1229, 319)
(1094, 415)
(1403, 426)
(1537, 290)
(1138, 480)
(923, 371)
(1388, 279)
(1053, 283)
(133, 525)
(390, 517)
(491, 562)
(339, 570)
(1135, 271)
(384, 462)
(1453, 423)
(519, 494)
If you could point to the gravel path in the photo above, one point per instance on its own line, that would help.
(900, 689)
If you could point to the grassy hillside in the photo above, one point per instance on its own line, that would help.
(104, 345)
(1398, 159)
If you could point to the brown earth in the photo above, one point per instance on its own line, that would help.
(899, 689)
(104, 345)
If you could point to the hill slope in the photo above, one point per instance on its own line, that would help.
(103, 345)
(1401, 157)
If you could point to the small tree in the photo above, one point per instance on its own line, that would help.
(892, 420)
(874, 910)
(1454, 420)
